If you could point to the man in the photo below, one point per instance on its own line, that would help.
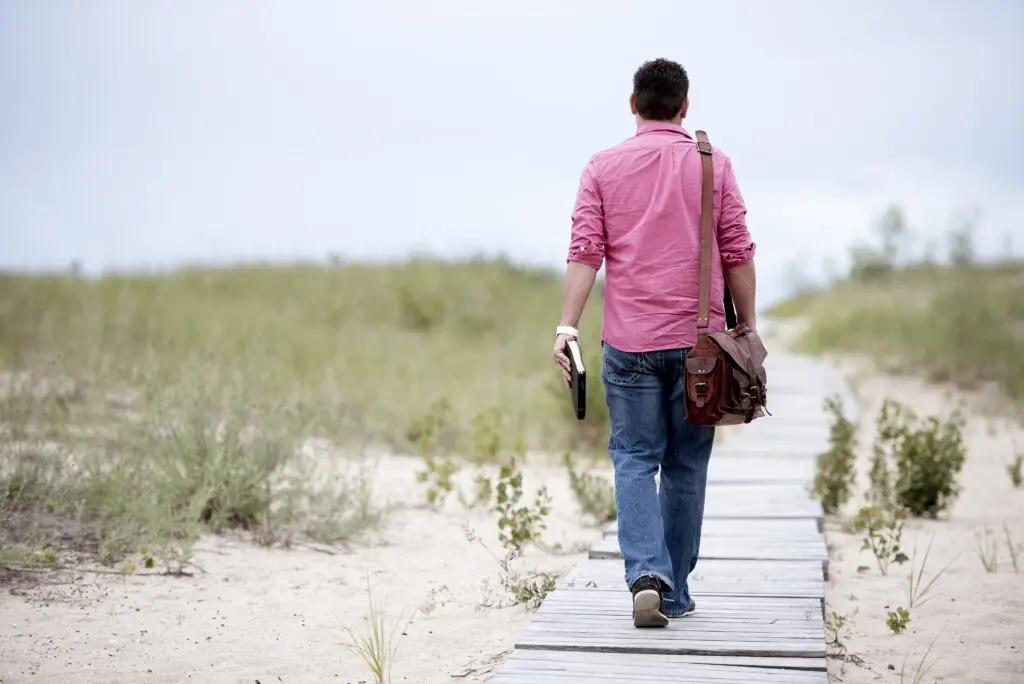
(638, 212)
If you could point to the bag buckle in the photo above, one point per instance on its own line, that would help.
(701, 388)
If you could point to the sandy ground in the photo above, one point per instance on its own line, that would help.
(975, 619)
(266, 615)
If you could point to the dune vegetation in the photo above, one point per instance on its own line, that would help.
(140, 411)
(954, 320)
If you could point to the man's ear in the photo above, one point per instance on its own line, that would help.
(686, 106)
(632, 103)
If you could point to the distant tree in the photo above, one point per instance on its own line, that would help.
(961, 237)
(868, 261)
(893, 231)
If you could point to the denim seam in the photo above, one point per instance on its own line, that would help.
(667, 582)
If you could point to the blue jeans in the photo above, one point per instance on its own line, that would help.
(659, 531)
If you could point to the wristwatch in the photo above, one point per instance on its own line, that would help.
(567, 330)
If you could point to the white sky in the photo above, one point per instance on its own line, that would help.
(139, 134)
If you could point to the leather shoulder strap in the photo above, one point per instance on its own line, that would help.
(707, 230)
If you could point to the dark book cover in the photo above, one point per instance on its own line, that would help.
(578, 383)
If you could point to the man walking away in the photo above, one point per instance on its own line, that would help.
(638, 211)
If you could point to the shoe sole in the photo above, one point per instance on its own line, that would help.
(647, 609)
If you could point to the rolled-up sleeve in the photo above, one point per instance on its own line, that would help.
(734, 241)
(587, 242)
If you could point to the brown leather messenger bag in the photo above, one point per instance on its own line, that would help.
(725, 380)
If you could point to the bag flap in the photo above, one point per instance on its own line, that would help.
(744, 348)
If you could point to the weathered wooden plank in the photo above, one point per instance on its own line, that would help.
(776, 500)
(759, 470)
(772, 451)
(725, 548)
(702, 582)
(781, 428)
(796, 529)
(791, 411)
(557, 667)
(601, 621)
(760, 570)
(772, 579)
(733, 609)
(535, 655)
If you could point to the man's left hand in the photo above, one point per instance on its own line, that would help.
(562, 360)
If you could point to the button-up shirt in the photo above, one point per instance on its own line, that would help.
(638, 211)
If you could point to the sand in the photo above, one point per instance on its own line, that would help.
(279, 615)
(974, 622)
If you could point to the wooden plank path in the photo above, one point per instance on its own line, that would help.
(759, 583)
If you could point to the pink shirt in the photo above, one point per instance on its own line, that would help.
(638, 211)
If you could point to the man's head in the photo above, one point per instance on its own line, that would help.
(660, 91)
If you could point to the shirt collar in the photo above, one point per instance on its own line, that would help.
(652, 126)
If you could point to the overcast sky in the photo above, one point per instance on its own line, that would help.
(147, 133)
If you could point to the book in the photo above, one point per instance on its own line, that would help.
(578, 383)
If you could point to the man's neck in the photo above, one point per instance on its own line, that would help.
(640, 121)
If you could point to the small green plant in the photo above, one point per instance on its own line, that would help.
(836, 633)
(923, 666)
(915, 463)
(487, 427)
(47, 556)
(898, 620)
(427, 432)
(483, 492)
(1014, 549)
(835, 477)
(880, 474)
(377, 644)
(594, 494)
(883, 530)
(919, 591)
(987, 550)
(526, 588)
(1016, 470)
(437, 474)
(518, 524)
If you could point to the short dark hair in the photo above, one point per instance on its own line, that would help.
(660, 87)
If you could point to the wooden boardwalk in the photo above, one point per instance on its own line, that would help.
(759, 584)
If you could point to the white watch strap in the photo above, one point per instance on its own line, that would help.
(567, 330)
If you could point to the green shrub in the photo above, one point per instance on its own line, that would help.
(835, 477)
(518, 522)
(916, 462)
